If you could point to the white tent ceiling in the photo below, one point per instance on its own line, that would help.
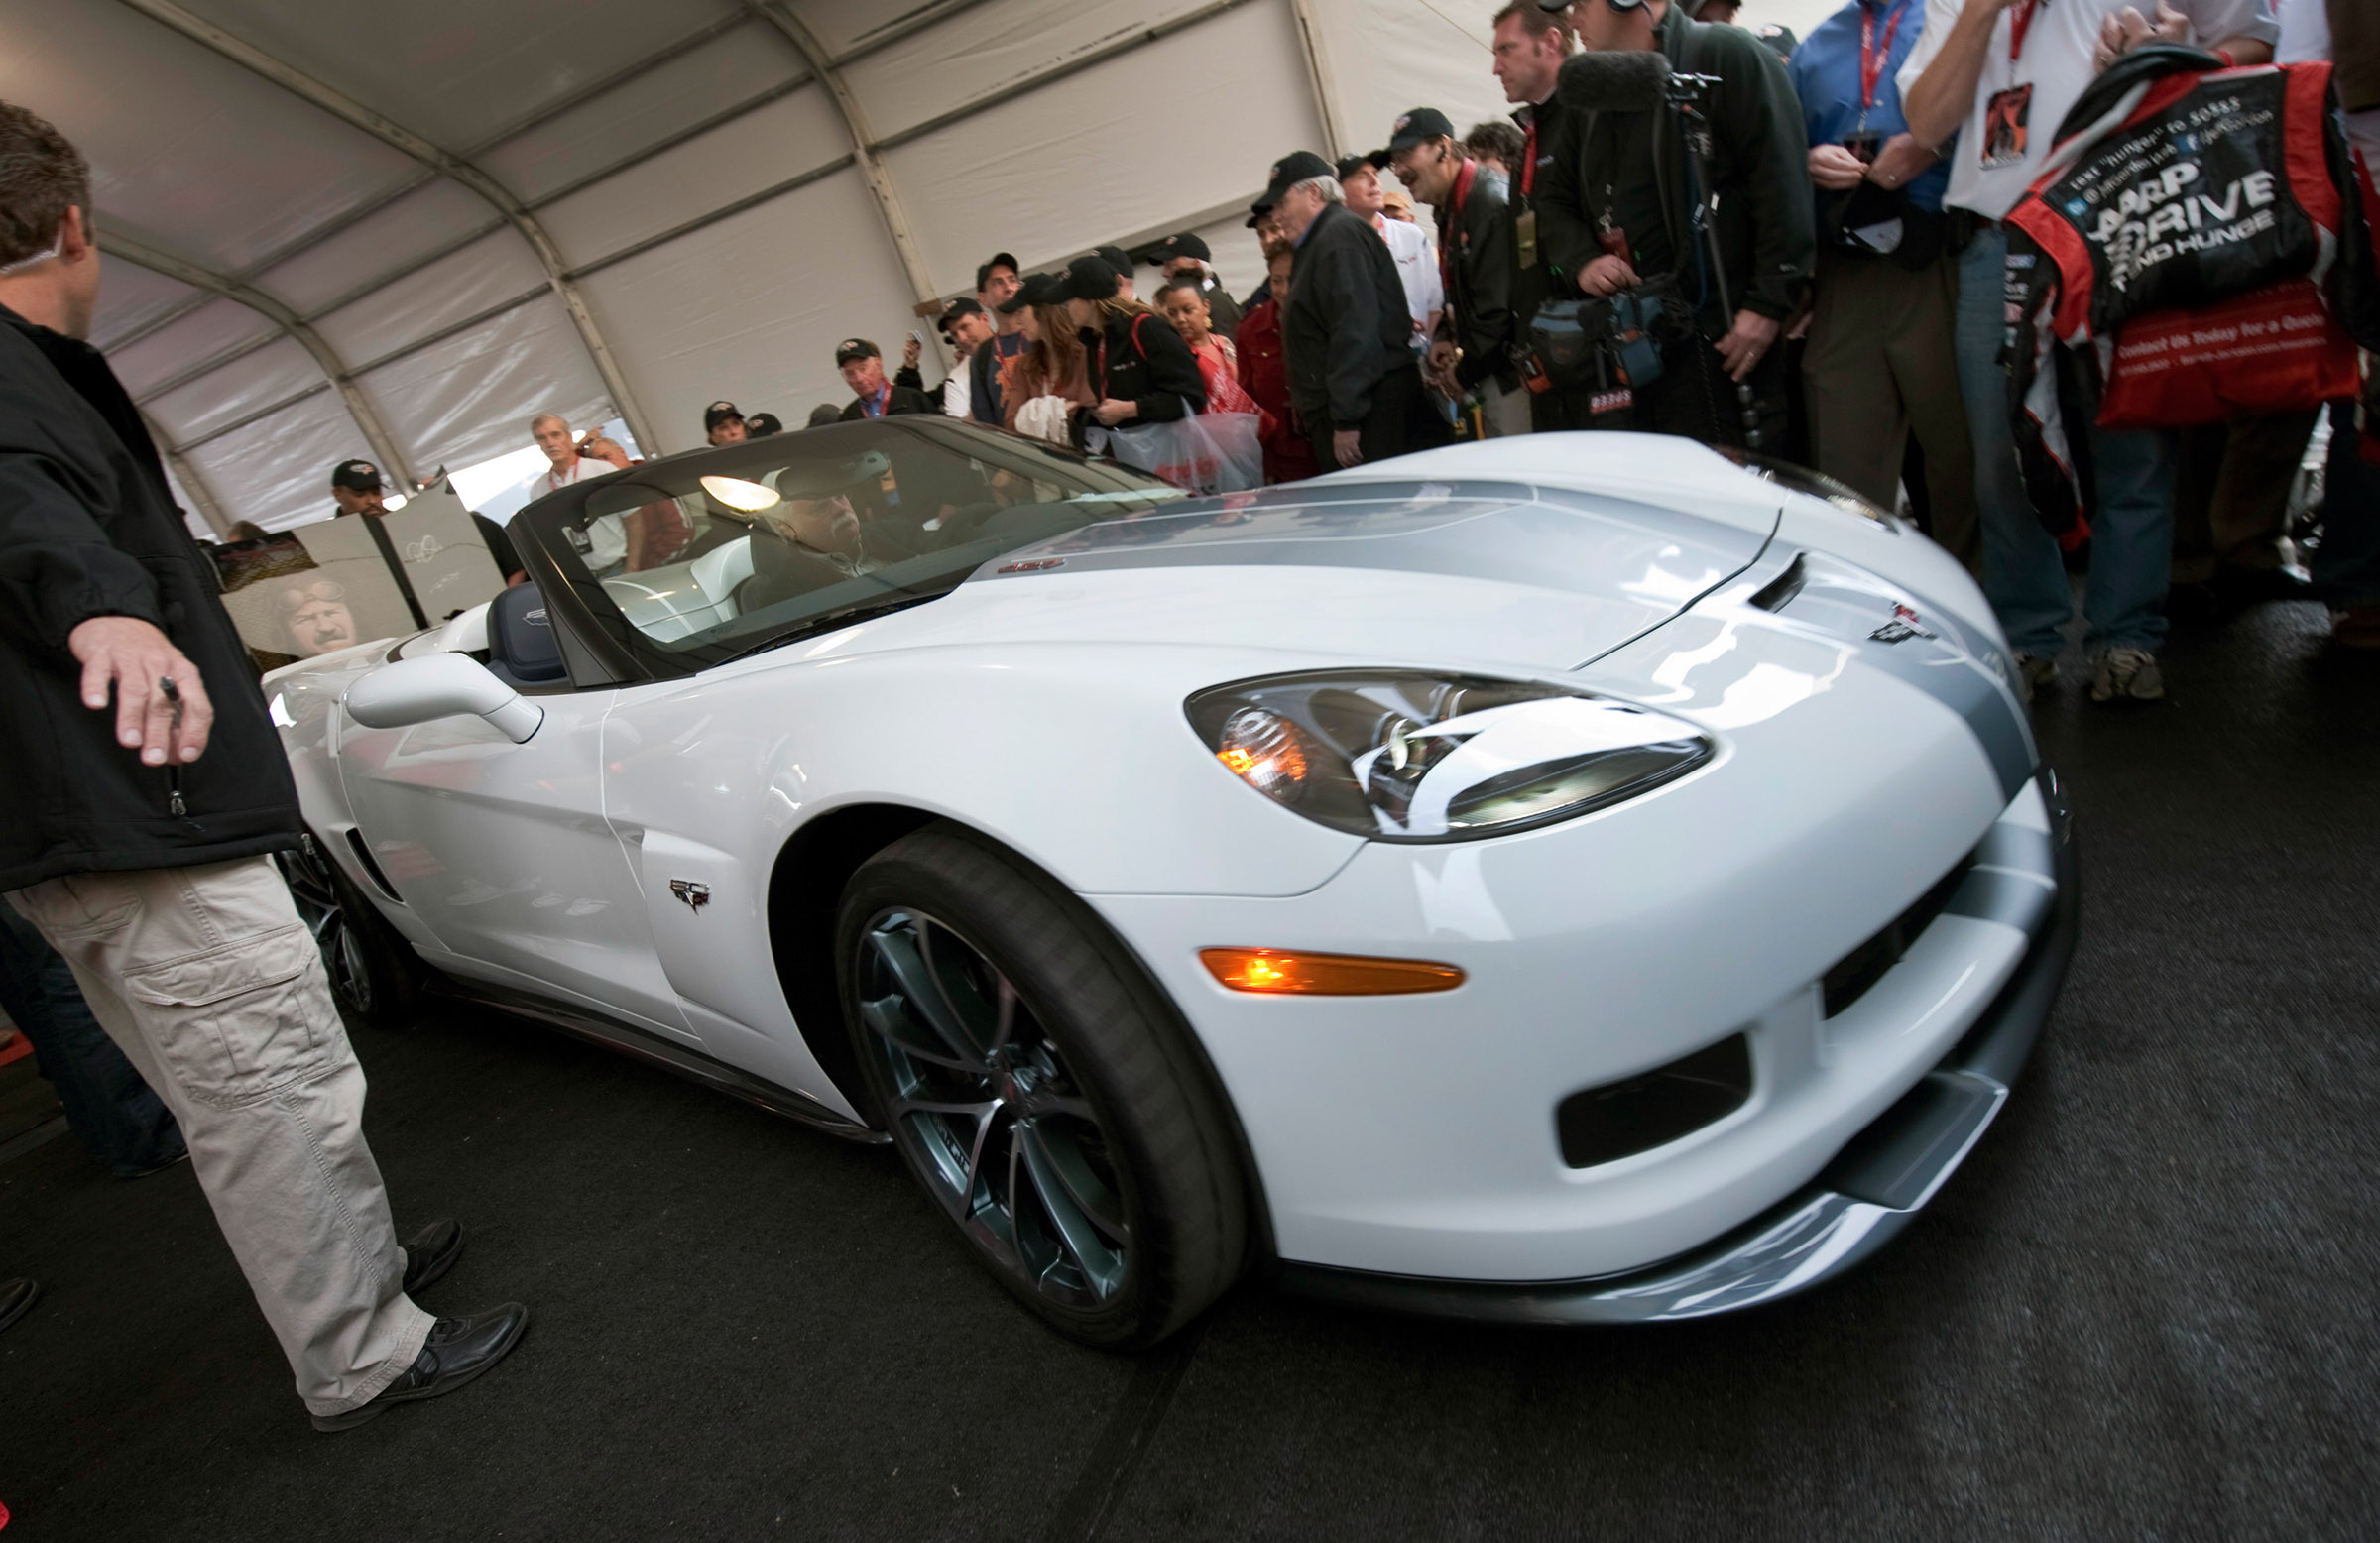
(398, 231)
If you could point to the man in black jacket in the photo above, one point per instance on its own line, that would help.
(862, 366)
(1531, 40)
(1353, 377)
(1473, 351)
(1619, 207)
(136, 840)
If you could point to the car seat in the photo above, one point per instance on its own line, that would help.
(522, 651)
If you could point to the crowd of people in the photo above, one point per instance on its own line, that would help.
(1796, 247)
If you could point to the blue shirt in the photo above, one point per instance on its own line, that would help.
(1826, 72)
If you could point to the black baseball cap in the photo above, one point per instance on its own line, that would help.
(719, 413)
(1293, 168)
(1007, 260)
(964, 305)
(1035, 289)
(1160, 253)
(1417, 127)
(1116, 258)
(762, 424)
(855, 348)
(1091, 279)
(1348, 165)
(356, 476)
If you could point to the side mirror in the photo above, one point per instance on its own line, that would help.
(441, 686)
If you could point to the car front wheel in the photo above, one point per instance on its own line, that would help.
(1039, 1090)
(375, 975)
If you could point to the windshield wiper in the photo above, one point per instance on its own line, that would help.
(830, 620)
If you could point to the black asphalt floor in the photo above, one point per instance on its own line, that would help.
(2144, 1308)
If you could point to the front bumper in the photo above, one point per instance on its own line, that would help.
(1871, 1190)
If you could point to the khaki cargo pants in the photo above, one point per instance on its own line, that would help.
(217, 992)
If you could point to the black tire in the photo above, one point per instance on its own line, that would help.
(1095, 1105)
(375, 976)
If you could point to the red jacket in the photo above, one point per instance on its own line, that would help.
(1265, 372)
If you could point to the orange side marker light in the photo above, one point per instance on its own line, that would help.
(1278, 972)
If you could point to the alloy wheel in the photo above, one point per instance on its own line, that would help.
(320, 905)
(985, 1107)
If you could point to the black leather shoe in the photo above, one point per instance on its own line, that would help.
(15, 1297)
(457, 1350)
(432, 1252)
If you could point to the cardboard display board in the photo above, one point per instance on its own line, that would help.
(329, 585)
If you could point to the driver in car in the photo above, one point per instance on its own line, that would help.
(813, 536)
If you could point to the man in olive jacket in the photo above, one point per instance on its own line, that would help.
(1353, 376)
(1615, 207)
(137, 837)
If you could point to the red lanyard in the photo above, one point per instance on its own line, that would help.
(1448, 235)
(2020, 21)
(884, 393)
(1528, 159)
(1872, 58)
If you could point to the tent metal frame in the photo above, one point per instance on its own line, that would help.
(866, 153)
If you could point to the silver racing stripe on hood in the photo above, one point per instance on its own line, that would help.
(1904, 635)
(1656, 561)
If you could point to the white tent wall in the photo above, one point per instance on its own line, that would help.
(279, 465)
(206, 333)
(700, 183)
(472, 394)
(750, 308)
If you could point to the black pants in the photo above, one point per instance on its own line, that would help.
(1400, 422)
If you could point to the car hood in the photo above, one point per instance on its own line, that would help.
(1537, 576)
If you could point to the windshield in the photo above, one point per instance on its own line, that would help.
(723, 552)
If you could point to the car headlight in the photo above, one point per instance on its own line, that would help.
(1395, 755)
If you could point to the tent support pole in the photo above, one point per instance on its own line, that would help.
(862, 145)
(288, 77)
(359, 407)
(1318, 77)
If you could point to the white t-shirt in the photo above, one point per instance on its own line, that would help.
(1416, 264)
(2056, 63)
(958, 388)
(2305, 33)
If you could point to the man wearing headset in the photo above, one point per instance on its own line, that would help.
(1618, 208)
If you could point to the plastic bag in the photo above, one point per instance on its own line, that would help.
(1211, 452)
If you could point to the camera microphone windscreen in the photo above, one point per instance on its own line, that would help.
(1626, 80)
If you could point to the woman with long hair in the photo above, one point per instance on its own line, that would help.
(1139, 367)
(1052, 366)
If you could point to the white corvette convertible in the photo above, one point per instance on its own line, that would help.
(1571, 878)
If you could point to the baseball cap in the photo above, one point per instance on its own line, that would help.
(1116, 258)
(356, 476)
(1091, 279)
(855, 348)
(1162, 252)
(762, 424)
(1418, 126)
(719, 413)
(1007, 260)
(965, 305)
(1035, 289)
(1348, 165)
(1293, 168)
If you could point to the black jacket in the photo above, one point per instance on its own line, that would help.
(1141, 359)
(1347, 324)
(905, 398)
(1759, 167)
(1531, 283)
(1475, 234)
(87, 528)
